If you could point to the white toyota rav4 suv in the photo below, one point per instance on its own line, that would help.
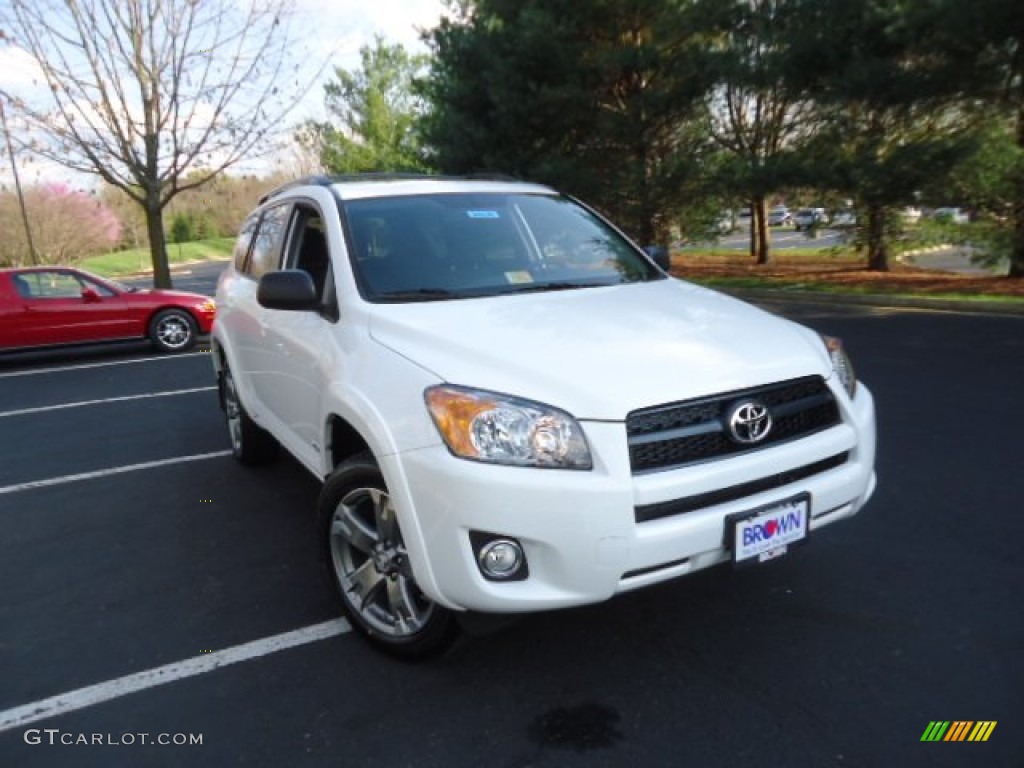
(513, 409)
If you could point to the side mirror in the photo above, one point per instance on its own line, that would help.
(89, 296)
(659, 255)
(289, 289)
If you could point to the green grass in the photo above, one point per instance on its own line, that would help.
(120, 263)
(832, 251)
(782, 284)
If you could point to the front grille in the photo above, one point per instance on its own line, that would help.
(648, 512)
(677, 434)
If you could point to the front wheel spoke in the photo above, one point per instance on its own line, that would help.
(349, 527)
(384, 516)
(364, 584)
(403, 607)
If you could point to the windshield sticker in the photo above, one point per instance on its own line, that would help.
(519, 277)
(483, 214)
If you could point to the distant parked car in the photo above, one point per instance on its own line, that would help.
(844, 218)
(779, 216)
(910, 215)
(725, 223)
(806, 218)
(54, 306)
(954, 215)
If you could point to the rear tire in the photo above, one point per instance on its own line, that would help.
(250, 444)
(369, 568)
(173, 330)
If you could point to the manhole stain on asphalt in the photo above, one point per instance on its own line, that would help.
(583, 727)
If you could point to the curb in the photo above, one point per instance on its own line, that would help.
(173, 267)
(879, 300)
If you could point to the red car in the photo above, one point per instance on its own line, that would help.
(50, 306)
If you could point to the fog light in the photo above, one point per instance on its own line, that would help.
(500, 559)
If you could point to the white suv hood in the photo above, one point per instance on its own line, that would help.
(600, 353)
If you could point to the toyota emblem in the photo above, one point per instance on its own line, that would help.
(750, 421)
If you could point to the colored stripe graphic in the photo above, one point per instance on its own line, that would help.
(982, 730)
(935, 730)
(958, 730)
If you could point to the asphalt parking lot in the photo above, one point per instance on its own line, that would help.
(154, 589)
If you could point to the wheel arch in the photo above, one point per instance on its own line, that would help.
(343, 441)
(218, 355)
(355, 432)
(219, 360)
(223, 357)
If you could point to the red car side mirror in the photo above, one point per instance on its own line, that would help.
(89, 296)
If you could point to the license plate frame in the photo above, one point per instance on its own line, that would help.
(792, 529)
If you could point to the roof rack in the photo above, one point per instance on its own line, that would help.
(490, 176)
(305, 181)
(324, 180)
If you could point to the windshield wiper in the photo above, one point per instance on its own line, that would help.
(419, 294)
(558, 286)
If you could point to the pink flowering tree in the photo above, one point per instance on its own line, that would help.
(67, 225)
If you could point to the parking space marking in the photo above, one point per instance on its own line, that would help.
(168, 673)
(111, 471)
(62, 368)
(81, 403)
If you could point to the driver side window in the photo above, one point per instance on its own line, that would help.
(266, 246)
(307, 248)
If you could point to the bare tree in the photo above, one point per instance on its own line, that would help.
(302, 156)
(155, 96)
(219, 208)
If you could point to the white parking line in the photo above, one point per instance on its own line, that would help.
(179, 670)
(80, 403)
(62, 368)
(111, 471)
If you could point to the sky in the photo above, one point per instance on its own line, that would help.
(330, 30)
(345, 26)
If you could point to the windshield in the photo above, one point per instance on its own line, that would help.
(453, 246)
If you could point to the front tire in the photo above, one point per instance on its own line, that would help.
(250, 444)
(369, 567)
(173, 330)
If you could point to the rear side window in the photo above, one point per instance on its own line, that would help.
(266, 246)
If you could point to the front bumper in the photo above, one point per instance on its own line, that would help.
(580, 529)
(204, 319)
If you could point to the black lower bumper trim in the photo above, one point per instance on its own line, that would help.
(648, 512)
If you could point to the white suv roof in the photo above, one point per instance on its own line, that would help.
(391, 185)
(353, 190)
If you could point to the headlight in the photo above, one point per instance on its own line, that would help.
(500, 429)
(841, 363)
